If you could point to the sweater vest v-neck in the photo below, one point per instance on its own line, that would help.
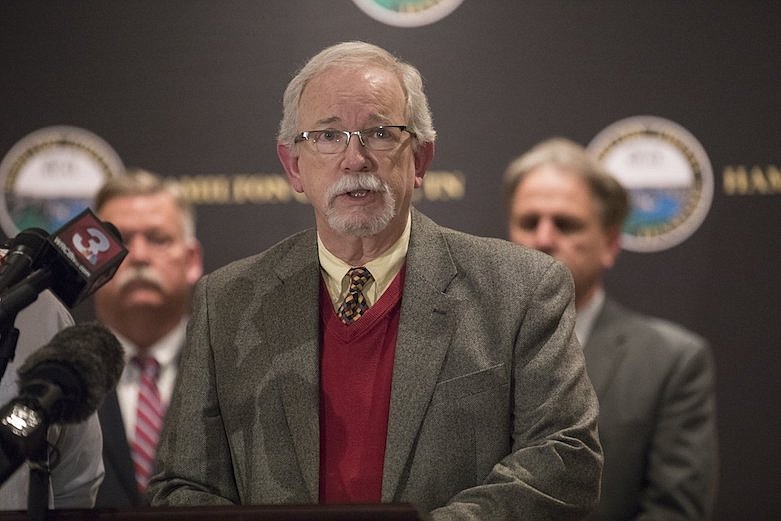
(356, 369)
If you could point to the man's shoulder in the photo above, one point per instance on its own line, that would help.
(661, 333)
(486, 250)
(290, 249)
(40, 321)
(651, 350)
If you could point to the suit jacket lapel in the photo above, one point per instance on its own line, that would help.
(606, 347)
(295, 332)
(117, 450)
(427, 322)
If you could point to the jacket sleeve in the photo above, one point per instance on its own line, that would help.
(78, 471)
(682, 469)
(553, 470)
(193, 452)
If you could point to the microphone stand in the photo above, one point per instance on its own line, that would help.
(38, 489)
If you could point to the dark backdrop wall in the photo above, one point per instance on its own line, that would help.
(192, 89)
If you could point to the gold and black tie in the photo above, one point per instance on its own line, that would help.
(354, 304)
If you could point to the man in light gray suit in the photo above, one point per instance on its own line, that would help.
(654, 379)
(441, 370)
(76, 468)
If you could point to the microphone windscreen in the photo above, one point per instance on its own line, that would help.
(85, 360)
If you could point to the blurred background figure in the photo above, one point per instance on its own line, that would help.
(76, 466)
(147, 306)
(654, 379)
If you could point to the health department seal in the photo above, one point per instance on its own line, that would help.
(407, 13)
(51, 175)
(667, 174)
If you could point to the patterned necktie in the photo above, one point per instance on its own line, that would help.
(354, 304)
(149, 420)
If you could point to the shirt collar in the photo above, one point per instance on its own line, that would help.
(383, 269)
(165, 351)
(587, 315)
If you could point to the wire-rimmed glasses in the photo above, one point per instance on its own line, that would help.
(332, 141)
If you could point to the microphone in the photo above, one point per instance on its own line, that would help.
(76, 260)
(64, 381)
(23, 251)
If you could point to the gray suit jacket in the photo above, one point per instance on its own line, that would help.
(657, 421)
(492, 415)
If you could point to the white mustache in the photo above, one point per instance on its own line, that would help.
(351, 183)
(143, 274)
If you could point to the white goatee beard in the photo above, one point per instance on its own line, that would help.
(356, 224)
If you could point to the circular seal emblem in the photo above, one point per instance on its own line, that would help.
(408, 13)
(51, 175)
(668, 177)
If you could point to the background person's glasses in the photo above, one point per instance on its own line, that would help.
(330, 141)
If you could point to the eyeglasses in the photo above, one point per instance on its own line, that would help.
(330, 141)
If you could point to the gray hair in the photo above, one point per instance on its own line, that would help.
(136, 181)
(359, 54)
(564, 153)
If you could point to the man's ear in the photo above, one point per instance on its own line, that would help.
(289, 162)
(612, 247)
(424, 154)
(194, 268)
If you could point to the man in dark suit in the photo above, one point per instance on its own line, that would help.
(380, 357)
(146, 304)
(654, 379)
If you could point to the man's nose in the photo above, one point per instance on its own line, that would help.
(138, 248)
(356, 155)
(544, 236)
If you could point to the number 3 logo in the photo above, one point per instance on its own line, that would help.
(96, 244)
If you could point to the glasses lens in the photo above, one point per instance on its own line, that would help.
(329, 141)
(382, 138)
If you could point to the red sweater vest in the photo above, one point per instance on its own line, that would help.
(356, 369)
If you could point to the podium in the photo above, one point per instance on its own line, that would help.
(353, 512)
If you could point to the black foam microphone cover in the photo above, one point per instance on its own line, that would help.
(84, 361)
